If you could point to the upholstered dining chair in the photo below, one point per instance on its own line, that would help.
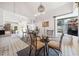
(35, 44)
(56, 45)
(50, 34)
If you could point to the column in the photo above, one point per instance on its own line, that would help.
(54, 17)
(78, 20)
(1, 19)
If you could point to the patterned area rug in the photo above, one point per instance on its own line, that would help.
(25, 52)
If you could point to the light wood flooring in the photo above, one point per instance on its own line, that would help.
(9, 45)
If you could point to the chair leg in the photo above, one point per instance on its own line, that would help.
(47, 50)
(56, 52)
(35, 52)
(39, 51)
(60, 53)
(44, 50)
(30, 50)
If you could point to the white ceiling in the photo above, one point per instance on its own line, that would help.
(29, 9)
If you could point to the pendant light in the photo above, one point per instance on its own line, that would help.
(41, 8)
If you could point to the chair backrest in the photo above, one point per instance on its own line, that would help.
(33, 38)
(50, 33)
(30, 36)
(61, 38)
(27, 29)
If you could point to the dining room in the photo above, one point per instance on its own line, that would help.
(39, 29)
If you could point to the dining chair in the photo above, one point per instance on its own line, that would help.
(35, 44)
(50, 34)
(56, 45)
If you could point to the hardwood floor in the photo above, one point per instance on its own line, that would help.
(71, 47)
(9, 45)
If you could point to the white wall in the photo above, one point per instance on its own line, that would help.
(67, 8)
(1, 19)
(41, 19)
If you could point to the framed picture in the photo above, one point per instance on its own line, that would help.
(45, 24)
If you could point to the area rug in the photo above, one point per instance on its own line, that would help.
(25, 52)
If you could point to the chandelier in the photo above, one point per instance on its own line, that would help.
(41, 8)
